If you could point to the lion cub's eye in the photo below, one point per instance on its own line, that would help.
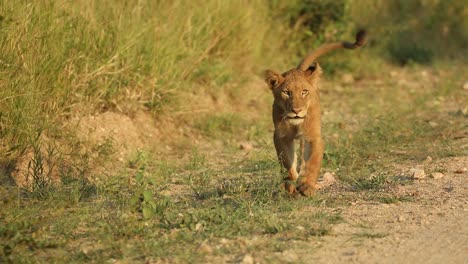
(287, 93)
(305, 92)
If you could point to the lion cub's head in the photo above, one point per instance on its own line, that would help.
(295, 91)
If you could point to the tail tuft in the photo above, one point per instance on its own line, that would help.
(361, 37)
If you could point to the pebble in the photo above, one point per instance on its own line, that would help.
(437, 175)
(246, 146)
(417, 173)
(329, 178)
(465, 86)
(205, 248)
(428, 160)
(347, 78)
(433, 124)
(460, 170)
(247, 259)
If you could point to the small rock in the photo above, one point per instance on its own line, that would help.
(460, 170)
(347, 78)
(300, 228)
(401, 218)
(247, 259)
(246, 146)
(329, 178)
(433, 124)
(428, 160)
(417, 173)
(465, 86)
(205, 248)
(423, 222)
(437, 175)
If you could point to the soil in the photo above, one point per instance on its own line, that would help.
(431, 229)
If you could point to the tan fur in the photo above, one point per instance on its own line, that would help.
(296, 116)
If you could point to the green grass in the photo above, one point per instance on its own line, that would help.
(219, 125)
(109, 221)
(394, 125)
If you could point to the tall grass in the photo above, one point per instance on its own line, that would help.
(64, 58)
(415, 31)
(58, 57)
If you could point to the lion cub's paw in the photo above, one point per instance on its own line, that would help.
(290, 187)
(306, 189)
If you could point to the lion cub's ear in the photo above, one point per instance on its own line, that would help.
(273, 79)
(313, 72)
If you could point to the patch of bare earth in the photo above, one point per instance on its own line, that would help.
(432, 228)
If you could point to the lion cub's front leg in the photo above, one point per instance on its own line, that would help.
(313, 154)
(286, 155)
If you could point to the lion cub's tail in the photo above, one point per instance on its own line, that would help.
(322, 50)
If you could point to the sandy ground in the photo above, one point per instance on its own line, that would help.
(431, 229)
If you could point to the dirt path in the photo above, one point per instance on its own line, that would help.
(431, 229)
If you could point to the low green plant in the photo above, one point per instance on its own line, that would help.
(41, 167)
(376, 182)
(145, 198)
(367, 234)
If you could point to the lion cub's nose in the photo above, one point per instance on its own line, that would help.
(296, 110)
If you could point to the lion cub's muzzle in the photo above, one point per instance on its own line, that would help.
(296, 115)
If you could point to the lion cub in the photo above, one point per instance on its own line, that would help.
(296, 115)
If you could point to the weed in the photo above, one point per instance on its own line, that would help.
(196, 162)
(77, 189)
(371, 235)
(390, 199)
(105, 148)
(219, 124)
(377, 182)
(144, 198)
(41, 167)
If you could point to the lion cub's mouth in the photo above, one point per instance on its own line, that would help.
(295, 120)
(295, 117)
